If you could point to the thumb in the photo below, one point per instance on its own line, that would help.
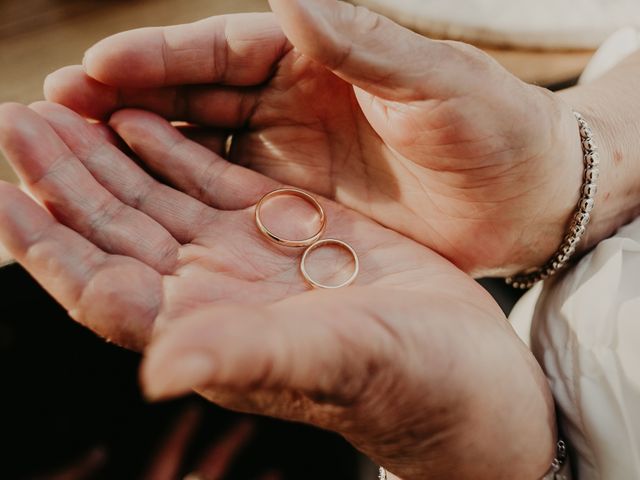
(313, 343)
(366, 49)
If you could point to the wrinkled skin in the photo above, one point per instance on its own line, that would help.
(432, 139)
(415, 364)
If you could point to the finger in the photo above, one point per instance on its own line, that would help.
(106, 134)
(367, 49)
(311, 343)
(60, 181)
(214, 140)
(72, 87)
(224, 107)
(219, 457)
(187, 165)
(231, 49)
(114, 296)
(168, 460)
(180, 214)
(89, 465)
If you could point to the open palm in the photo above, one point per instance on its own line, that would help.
(432, 139)
(182, 251)
(406, 353)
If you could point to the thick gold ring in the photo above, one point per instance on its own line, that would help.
(283, 241)
(329, 241)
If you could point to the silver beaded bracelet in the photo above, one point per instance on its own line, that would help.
(560, 465)
(561, 257)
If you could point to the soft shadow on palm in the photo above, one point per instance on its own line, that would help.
(147, 253)
(425, 164)
(127, 254)
(308, 114)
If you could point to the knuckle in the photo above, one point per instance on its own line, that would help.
(466, 54)
(140, 193)
(220, 52)
(366, 20)
(102, 216)
(55, 171)
(168, 253)
(359, 21)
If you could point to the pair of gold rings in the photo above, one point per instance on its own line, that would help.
(311, 243)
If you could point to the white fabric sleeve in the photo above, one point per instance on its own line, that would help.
(584, 328)
(586, 335)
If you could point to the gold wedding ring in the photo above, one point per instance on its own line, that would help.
(283, 241)
(325, 242)
(312, 243)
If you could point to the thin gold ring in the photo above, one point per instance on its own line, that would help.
(283, 241)
(329, 241)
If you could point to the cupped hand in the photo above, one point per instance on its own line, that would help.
(414, 364)
(432, 139)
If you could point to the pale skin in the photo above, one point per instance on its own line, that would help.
(391, 148)
(432, 139)
(448, 150)
(409, 364)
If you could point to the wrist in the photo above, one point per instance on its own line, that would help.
(562, 169)
(618, 198)
(556, 175)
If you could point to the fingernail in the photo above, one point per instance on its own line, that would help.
(85, 58)
(164, 379)
(47, 87)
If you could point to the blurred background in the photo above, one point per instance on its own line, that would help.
(70, 408)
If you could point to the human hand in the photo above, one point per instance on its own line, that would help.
(432, 139)
(415, 364)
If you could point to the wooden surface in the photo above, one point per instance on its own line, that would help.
(543, 68)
